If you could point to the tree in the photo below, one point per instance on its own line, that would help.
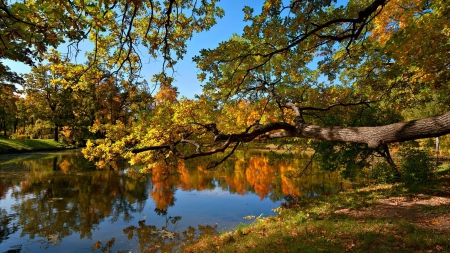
(52, 100)
(23, 115)
(29, 28)
(8, 99)
(293, 68)
(383, 55)
(8, 109)
(115, 28)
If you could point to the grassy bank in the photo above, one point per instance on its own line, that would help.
(15, 146)
(381, 218)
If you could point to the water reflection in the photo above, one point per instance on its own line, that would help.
(264, 174)
(54, 202)
(167, 238)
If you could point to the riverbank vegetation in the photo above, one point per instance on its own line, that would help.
(376, 218)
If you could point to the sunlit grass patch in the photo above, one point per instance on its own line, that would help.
(443, 169)
(9, 146)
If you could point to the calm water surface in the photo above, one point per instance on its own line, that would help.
(59, 202)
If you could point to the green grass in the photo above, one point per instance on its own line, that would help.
(313, 225)
(333, 234)
(15, 146)
(443, 169)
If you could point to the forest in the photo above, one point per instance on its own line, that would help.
(349, 80)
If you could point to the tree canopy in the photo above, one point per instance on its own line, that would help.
(370, 72)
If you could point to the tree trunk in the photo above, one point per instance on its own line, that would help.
(372, 136)
(16, 124)
(56, 138)
(4, 127)
(437, 146)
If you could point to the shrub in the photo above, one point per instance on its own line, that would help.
(19, 136)
(416, 165)
(384, 173)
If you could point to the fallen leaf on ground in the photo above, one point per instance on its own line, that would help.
(435, 222)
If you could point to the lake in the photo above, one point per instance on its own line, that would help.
(59, 202)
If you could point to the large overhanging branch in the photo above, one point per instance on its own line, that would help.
(374, 137)
(228, 139)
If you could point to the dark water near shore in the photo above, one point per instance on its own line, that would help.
(59, 202)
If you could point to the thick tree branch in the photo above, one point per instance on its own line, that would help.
(374, 137)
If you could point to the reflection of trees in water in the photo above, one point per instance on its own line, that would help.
(269, 175)
(260, 175)
(151, 238)
(233, 178)
(7, 182)
(54, 204)
(165, 239)
(56, 199)
(6, 225)
(194, 177)
(162, 190)
(9, 178)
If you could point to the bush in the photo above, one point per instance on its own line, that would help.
(416, 165)
(384, 173)
(19, 136)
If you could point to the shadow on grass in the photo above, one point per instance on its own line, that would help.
(353, 221)
(337, 233)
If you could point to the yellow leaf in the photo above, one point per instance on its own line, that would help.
(435, 222)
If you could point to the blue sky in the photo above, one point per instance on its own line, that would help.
(232, 22)
(186, 71)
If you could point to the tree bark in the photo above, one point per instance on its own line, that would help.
(374, 137)
(16, 125)
(379, 135)
(56, 137)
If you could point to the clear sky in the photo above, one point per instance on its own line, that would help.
(232, 22)
(186, 71)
